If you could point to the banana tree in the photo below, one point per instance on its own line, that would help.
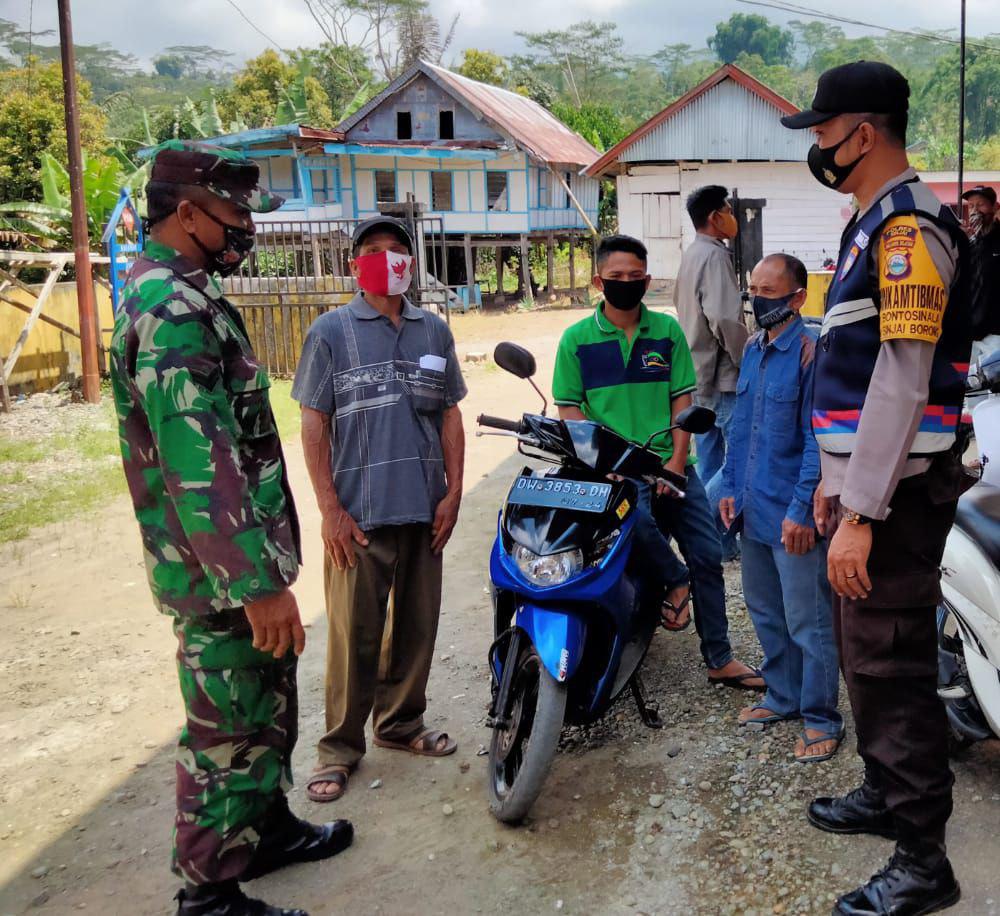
(48, 224)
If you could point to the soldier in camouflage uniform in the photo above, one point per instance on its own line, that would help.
(207, 476)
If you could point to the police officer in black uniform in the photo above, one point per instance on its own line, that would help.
(890, 367)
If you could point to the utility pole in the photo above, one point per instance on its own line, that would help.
(961, 112)
(81, 238)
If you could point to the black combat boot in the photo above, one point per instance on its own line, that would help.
(860, 811)
(917, 880)
(287, 840)
(225, 899)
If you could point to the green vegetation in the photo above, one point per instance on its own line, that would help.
(76, 468)
(584, 73)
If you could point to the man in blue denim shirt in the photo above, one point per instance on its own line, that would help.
(770, 474)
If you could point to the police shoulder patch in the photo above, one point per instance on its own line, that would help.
(913, 297)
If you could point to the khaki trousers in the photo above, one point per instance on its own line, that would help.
(383, 619)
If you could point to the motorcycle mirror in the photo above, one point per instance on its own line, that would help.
(515, 359)
(696, 420)
(989, 372)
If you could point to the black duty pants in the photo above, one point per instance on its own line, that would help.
(888, 652)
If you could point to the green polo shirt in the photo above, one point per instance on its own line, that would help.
(626, 386)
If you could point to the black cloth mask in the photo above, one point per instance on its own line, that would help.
(237, 244)
(624, 295)
(823, 164)
(772, 312)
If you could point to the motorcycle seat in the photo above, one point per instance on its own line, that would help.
(979, 517)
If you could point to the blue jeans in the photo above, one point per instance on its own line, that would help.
(711, 446)
(792, 611)
(711, 450)
(692, 524)
(654, 547)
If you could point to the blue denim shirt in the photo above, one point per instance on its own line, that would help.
(772, 460)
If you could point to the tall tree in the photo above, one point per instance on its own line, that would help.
(32, 122)
(338, 68)
(264, 84)
(388, 31)
(748, 33)
(484, 66)
(585, 58)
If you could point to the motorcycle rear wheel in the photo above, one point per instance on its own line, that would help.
(521, 754)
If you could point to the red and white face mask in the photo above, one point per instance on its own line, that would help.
(386, 273)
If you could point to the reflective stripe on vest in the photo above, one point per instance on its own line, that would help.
(850, 340)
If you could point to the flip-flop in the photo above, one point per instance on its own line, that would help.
(336, 774)
(764, 720)
(739, 681)
(675, 610)
(811, 742)
(423, 745)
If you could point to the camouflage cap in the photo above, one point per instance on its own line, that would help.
(224, 172)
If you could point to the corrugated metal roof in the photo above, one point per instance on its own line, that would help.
(257, 135)
(726, 122)
(527, 123)
(742, 116)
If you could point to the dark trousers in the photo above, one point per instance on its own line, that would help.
(888, 652)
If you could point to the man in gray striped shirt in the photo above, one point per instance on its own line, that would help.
(379, 385)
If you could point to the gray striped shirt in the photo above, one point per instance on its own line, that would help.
(386, 389)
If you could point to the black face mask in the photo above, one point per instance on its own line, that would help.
(625, 295)
(772, 312)
(824, 167)
(237, 244)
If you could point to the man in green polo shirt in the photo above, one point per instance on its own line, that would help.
(631, 370)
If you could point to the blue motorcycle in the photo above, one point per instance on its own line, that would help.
(573, 613)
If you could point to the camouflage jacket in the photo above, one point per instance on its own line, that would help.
(201, 451)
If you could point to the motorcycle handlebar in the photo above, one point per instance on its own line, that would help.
(513, 426)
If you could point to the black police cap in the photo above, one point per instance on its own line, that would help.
(861, 87)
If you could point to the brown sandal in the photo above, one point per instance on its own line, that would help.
(336, 774)
(423, 745)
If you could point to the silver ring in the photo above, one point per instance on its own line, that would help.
(852, 576)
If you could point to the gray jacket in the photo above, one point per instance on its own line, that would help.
(710, 309)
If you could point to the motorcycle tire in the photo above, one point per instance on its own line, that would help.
(521, 754)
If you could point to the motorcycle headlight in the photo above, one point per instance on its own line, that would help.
(553, 569)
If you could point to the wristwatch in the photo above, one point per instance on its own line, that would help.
(851, 517)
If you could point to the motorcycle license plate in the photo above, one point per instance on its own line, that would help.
(556, 493)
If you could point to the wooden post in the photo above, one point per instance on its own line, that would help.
(550, 267)
(526, 269)
(4, 392)
(499, 263)
(470, 270)
(572, 265)
(81, 239)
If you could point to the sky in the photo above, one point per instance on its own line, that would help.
(147, 26)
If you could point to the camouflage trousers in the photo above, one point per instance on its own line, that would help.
(234, 753)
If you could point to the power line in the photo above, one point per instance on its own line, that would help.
(811, 13)
(253, 25)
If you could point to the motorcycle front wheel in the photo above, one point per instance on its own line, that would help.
(521, 754)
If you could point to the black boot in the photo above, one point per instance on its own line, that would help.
(286, 840)
(917, 880)
(225, 899)
(860, 811)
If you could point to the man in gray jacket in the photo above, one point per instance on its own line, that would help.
(710, 309)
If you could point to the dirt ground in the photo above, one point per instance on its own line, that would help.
(696, 818)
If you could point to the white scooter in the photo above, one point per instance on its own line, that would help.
(969, 615)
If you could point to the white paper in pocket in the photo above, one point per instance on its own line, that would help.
(433, 363)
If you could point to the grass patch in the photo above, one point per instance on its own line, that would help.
(286, 411)
(76, 468)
